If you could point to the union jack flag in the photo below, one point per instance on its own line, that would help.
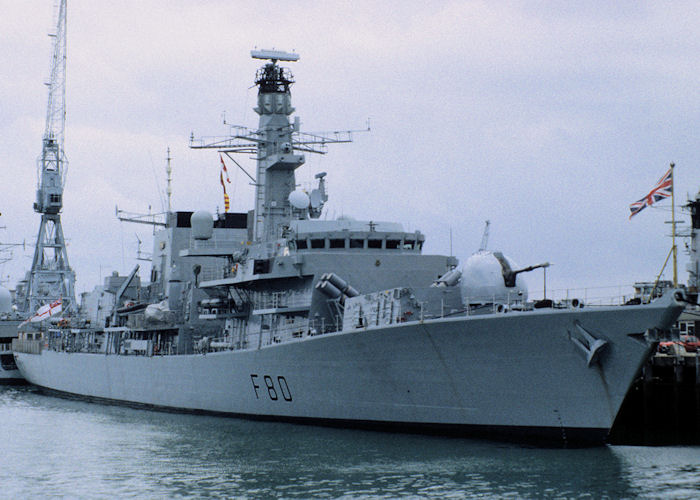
(662, 189)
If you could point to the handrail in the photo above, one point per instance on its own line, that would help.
(27, 346)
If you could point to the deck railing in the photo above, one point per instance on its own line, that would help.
(613, 295)
(27, 346)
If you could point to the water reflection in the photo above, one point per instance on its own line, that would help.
(671, 471)
(62, 447)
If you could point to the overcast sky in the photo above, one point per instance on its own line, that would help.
(547, 118)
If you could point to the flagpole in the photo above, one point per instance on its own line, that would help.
(673, 230)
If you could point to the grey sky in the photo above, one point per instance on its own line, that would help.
(548, 118)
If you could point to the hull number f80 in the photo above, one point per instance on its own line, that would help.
(275, 389)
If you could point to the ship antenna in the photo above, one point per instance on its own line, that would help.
(169, 171)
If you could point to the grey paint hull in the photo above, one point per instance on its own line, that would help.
(513, 371)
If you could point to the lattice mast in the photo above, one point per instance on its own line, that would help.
(51, 277)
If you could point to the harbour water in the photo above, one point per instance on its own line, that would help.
(53, 447)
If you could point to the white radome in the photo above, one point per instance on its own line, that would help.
(482, 280)
(202, 224)
(299, 199)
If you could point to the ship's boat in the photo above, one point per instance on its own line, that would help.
(278, 314)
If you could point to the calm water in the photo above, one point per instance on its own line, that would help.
(55, 447)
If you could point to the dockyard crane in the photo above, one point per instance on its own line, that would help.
(51, 277)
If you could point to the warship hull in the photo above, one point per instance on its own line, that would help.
(517, 374)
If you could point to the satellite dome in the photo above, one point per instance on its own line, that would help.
(5, 300)
(202, 224)
(299, 199)
(483, 279)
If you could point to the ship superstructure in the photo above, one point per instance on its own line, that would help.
(280, 314)
(276, 284)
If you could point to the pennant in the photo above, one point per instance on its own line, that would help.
(225, 170)
(227, 201)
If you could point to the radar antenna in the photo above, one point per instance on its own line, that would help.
(169, 171)
(51, 277)
(152, 219)
(485, 237)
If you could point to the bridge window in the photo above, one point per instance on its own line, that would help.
(393, 244)
(302, 244)
(337, 243)
(374, 243)
(318, 243)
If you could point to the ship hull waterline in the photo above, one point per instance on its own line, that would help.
(516, 375)
(11, 377)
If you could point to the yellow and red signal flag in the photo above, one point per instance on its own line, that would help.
(227, 201)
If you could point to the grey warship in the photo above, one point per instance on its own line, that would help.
(279, 314)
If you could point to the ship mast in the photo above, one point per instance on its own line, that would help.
(276, 159)
(275, 144)
(694, 250)
(169, 190)
(51, 277)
